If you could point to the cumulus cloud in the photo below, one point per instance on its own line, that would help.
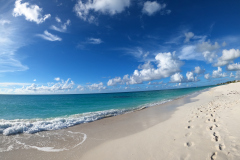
(227, 57)
(190, 77)
(151, 8)
(207, 76)
(81, 88)
(62, 28)
(167, 65)
(198, 70)
(97, 86)
(146, 65)
(208, 50)
(48, 36)
(94, 41)
(31, 12)
(218, 73)
(114, 81)
(188, 36)
(178, 78)
(233, 67)
(56, 87)
(112, 7)
(231, 75)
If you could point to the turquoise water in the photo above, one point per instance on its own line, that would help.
(34, 113)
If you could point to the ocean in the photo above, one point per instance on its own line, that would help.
(36, 113)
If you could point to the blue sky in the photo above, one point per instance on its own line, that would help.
(94, 46)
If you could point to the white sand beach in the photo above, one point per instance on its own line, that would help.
(208, 128)
(205, 125)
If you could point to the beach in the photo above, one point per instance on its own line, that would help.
(204, 125)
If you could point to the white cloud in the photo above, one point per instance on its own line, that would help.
(4, 21)
(198, 70)
(5, 84)
(114, 81)
(188, 36)
(200, 51)
(58, 19)
(231, 75)
(190, 77)
(208, 50)
(94, 41)
(151, 8)
(53, 88)
(34, 80)
(224, 44)
(57, 79)
(96, 86)
(111, 7)
(227, 57)
(218, 73)
(146, 65)
(10, 41)
(137, 52)
(207, 76)
(233, 67)
(188, 52)
(237, 75)
(31, 12)
(167, 65)
(155, 83)
(62, 28)
(176, 78)
(48, 36)
(81, 88)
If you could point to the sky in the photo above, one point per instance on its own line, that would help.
(100, 46)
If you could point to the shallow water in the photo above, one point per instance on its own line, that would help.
(35, 113)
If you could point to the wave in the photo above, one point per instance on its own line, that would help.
(31, 126)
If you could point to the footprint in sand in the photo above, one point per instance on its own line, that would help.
(214, 156)
(208, 120)
(221, 147)
(188, 134)
(216, 136)
(188, 144)
(211, 127)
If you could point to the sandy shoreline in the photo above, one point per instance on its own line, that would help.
(201, 126)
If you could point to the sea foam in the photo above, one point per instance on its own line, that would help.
(30, 126)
